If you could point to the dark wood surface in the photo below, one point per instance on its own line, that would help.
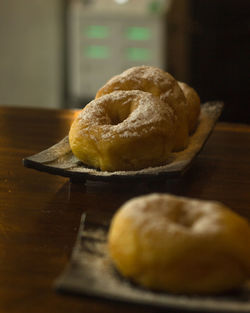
(40, 213)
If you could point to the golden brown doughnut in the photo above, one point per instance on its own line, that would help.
(160, 84)
(193, 103)
(180, 245)
(123, 130)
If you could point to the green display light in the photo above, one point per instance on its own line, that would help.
(138, 54)
(97, 31)
(97, 52)
(155, 6)
(138, 33)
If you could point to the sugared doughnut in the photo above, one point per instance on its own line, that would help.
(123, 130)
(193, 103)
(161, 84)
(180, 245)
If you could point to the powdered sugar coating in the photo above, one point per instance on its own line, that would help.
(161, 84)
(190, 216)
(180, 245)
(123, 130)
(147, 114)
(146, 78)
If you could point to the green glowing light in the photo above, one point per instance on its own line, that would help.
(97, 31)
(97, 52)
(138, 54)
(138, 33)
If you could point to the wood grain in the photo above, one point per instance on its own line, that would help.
(40, 213)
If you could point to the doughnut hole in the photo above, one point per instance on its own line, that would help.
(118, 112)
(181, 216)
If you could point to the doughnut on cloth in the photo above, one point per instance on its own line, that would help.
(180, 245)
(162, 85)
(123, 130)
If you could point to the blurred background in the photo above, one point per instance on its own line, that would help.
(58, 53)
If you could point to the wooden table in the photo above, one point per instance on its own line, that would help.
(40, 213)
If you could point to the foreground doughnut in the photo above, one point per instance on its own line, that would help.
(180, 245)
(160, 84)
(193, 103)
(123, 130)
